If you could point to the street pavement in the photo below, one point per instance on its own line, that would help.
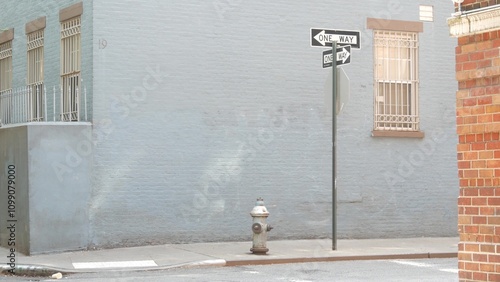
(418, 270)
(170, 256)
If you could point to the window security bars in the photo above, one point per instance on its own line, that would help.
(16, 105)
(5, 74)
(5, 67)
(396, 81)
(70, 69)
(35, 75)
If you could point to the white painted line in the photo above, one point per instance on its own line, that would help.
(412, 263)
(112, 264)
(449, 270)
(209, 262)
(426, 265)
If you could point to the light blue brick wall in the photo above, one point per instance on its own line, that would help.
(54, 182)
(400, 187)
(190, 93)
(16, 15)
(201, 107)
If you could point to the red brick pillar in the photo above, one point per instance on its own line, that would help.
(478, 128)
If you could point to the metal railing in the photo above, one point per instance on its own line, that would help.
(36, 104)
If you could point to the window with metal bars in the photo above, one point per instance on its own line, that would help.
(70, 69)
(5, 67)
(396, 81)
(5, 80)
(35, 97)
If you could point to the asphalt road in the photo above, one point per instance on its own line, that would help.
(374, 270)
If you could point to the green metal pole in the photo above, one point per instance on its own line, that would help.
(334, 148)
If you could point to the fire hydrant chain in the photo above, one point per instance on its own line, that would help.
(260, 228)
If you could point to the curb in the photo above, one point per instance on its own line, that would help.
(31, 270)
(341, 258)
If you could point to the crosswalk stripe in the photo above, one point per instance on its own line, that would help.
(112, 264)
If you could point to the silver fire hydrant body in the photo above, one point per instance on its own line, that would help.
(260, 228)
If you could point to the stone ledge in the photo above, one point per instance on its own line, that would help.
(403, 134)
(475, 22)
(6, 35)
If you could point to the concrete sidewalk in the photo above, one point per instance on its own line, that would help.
(229, 254)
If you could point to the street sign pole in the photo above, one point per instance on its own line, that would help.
(334, 144)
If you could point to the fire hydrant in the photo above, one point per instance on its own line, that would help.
(260, 228)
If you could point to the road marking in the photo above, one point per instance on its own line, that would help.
(449, 270)
(413, 263)
(112, 264)
(208, 262)
(426, 265)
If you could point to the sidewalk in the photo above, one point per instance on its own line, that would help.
(229, 254)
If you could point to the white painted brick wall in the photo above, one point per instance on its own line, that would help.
(230, 70)
(17, 14)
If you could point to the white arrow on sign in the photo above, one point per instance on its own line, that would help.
(324, 38)
(343, 56)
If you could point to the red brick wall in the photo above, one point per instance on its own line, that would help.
(476, 4)
(478, 128)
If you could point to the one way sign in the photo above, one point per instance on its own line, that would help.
(321, 37)
(343, 56)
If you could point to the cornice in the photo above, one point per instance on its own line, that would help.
(474, 22)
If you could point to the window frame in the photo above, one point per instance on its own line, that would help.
(35, 75)
(6, 76)
(70, 69)
(401, 26)
(395, 81)
(6, 67)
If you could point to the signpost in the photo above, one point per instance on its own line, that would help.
(342, 56)
(334, 148)
(341, 42)
(321, 37)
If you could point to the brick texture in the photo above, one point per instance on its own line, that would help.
(468, 5)
(201, 123)
(199, 107)
(478, 126)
